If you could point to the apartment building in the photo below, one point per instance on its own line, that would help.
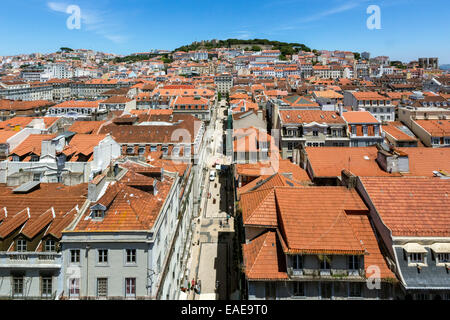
(196, 106)
(31, 227)
(363, 128)
(224, 82)
(68, 158)
(379, 106)
(109, 254)
(283, 259)
(18, 90)
(79, 109)
(432, 133)
(418, 244)
(310, 128)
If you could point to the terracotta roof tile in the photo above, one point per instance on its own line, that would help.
(314, 219)
(411, 206)
(264, 259)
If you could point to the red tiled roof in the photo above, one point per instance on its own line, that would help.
(86, 127)
(43, 209)
(314, 219)
(392, 128)
(359, 117)
(128, 206)
(416, 207)
(330, 161)
(436, 128)
(264, 259)
(308, 116)
(32, 144)
(363, 230)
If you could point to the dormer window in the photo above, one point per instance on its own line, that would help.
(98, 212)
(21, 245)
(416, 257)
(443, 258)
(50, 245)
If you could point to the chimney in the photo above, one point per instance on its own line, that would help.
(340, 108)
(48, 151)
(391, 159)
(348, 179)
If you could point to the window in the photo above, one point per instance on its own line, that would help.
(324, 263)
(354, 289)
(443, 257)
(17, 286)
(102, 256)
(365, 130)
(50, 245)
(299, 289)
(297, 262)
(131, 255)
(325, 290)
(152, 148)
(290, 145)
(34, 158)
(130, 287)
(102, 287)
(46, 287)
(353, 262)
(377, 130)
(21, 245)
(99, 214)
(141, 150)
(416, 258)
(74, 287)
(421, 296)
(15, 158)
(354, 130)
(75, 256)
(130, 150)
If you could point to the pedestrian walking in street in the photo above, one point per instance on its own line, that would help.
(192, 283)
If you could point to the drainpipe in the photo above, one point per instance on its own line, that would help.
(87, 269)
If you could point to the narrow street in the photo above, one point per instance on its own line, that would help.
(211, 255)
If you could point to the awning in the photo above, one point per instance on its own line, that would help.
(441, 247)
(414, 248)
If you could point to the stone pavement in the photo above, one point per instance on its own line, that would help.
(211, 253)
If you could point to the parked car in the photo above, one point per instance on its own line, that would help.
(212, 175)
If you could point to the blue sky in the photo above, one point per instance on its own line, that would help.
(409, 28)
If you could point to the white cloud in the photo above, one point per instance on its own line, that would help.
(57, 6)
(342, 8)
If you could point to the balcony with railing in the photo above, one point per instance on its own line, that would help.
(326, 274)
(49, 260)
